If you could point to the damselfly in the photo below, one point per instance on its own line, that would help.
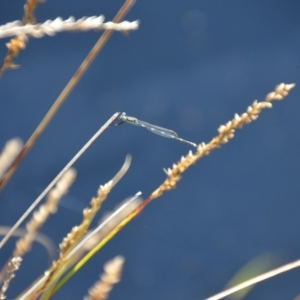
(123, 118)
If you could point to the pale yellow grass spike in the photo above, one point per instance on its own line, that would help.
(226, 132)
(54, 181)
(10, 150)
(13, 266)
(111, 276)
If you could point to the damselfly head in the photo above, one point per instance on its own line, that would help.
(121, 118)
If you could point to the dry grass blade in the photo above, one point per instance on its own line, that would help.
(50, 186)
(65, 92)
(257, 279)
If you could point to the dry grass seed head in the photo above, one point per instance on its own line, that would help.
(226, 132)
(14, 46)
(76, 234)
(29, 8)
(111, 275)
(13, 266)
(88, 214)
(19, 42)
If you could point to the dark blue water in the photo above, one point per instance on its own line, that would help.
(189, 68)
